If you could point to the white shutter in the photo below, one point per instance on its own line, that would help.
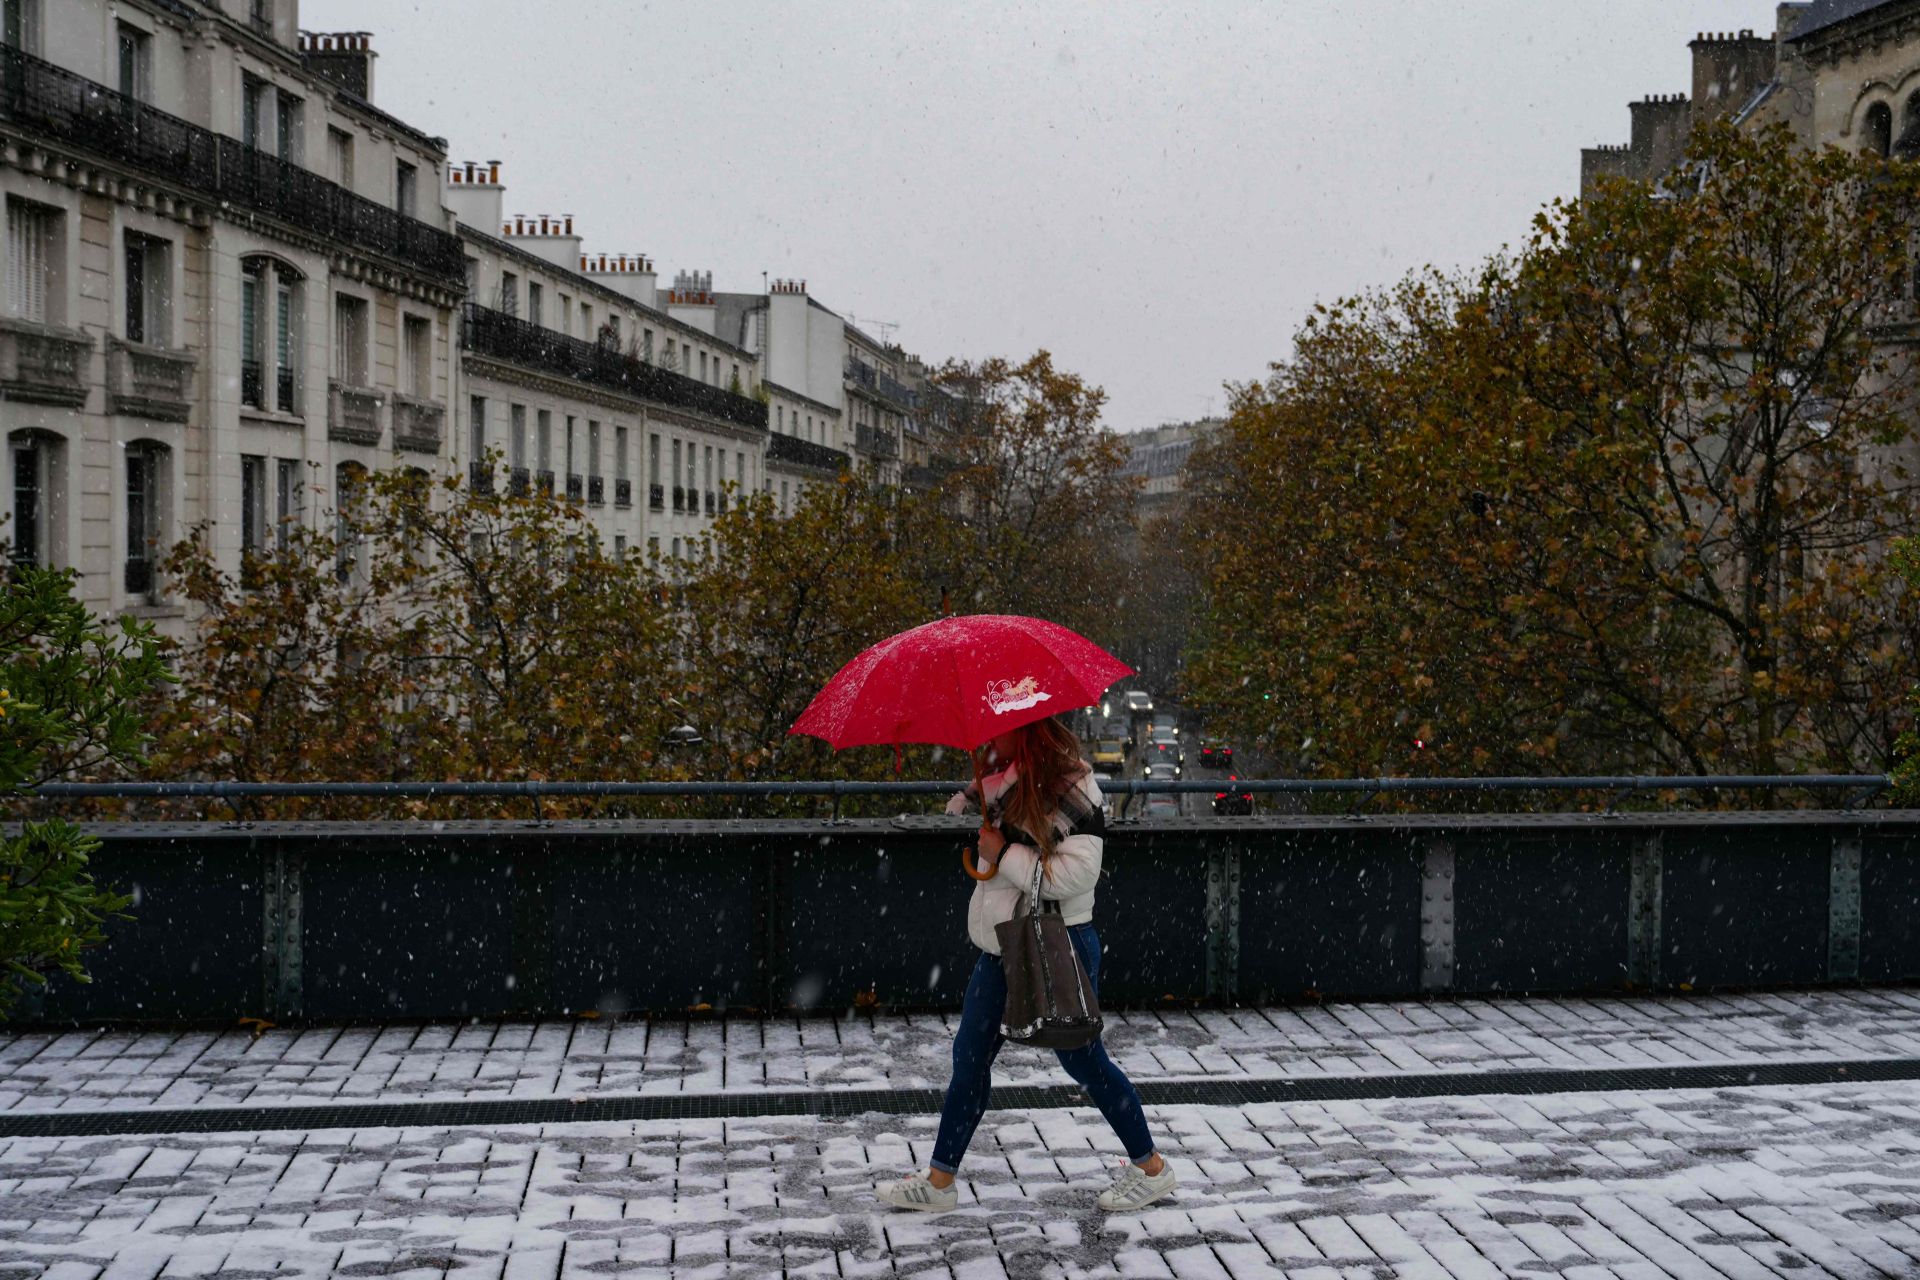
(28, 235)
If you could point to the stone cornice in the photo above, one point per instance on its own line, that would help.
(1861, 37)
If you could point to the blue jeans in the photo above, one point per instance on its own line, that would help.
(978, 1041)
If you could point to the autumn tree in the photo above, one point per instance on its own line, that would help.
(1621, 503)
(1030, 517)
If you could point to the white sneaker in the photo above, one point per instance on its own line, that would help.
(915, 1192)
(1135, 1188)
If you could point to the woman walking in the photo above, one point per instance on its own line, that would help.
(1049, 809)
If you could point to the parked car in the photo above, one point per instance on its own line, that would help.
(1139, 703)
(1233, 802)
(1216, 754)
(1162, 806)
(1109, 753)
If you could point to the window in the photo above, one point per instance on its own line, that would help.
(646, 345)
(676, 548)
(20, 25)
(686, 357)
(289, 138)
(473, 278)
(405, 178)
(543, 441)
(340, 156)
(740, 471)
(260, 14)
(593, 446)
(287, 495)
(565, 310)
(416, 365)
(703, 366)
(779, 418)
(783, 498)
(30, 529)
(678, 499)
(653, 548)
(534, 300)
(253, 110)
(136, 62)
(146, 478)
(349, 481)
(146, 280)
(693, 469)
(253, 505)
(510, 293)
(653, 458)
(572, 468)
(261, 329)
(34, 234)
(253, 385)
(709, 461)
(586, 320)
(620, 547)
(476, 430)
(517, 442)
(350, 340)
(619, 453)
(285, 316)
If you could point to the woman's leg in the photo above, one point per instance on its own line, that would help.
(1101, 1077)
(975, 1045)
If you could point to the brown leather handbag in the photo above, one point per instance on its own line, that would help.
(1050, 1002)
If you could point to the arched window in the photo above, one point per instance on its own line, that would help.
(148, 494)
(1876, 129)
(35, 492)
(1906, 144)
(270, 296)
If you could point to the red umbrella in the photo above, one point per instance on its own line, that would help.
(959, 682)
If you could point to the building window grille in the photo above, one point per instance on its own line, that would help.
(405, 184)
(136, 63)
(146, 470)
(28, 531)
(350, 340)
(146, 284)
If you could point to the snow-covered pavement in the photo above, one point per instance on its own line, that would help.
(91, 1069)
(1768, 1183)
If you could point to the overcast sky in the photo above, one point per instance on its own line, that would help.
(1155, 193)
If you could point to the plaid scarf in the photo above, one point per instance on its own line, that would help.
(1073, 813)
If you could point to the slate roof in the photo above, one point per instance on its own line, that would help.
(1822, 14)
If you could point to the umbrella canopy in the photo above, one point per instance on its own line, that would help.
(958, 682)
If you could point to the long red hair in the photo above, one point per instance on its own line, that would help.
(1046, 756)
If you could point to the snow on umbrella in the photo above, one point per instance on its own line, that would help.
(959, 682)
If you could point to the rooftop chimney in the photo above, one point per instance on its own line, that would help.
(475, 194)
(1728, 69)
(344, 57)
(630, 274)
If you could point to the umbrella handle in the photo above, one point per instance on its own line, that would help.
(967, 865)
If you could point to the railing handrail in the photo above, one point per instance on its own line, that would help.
(1867, 782)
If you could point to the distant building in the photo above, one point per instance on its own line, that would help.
(1159, 458)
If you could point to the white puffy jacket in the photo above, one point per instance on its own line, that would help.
(1072, 871)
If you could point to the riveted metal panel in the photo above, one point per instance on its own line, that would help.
(1436, 915)
(1223, 921)
(1643, 910)
(193, 947)
(1151, 913)
(1329, 912)
(1539, 911)
(1743, 907)
(1889, 907)
(1843, 909)
(283, 937)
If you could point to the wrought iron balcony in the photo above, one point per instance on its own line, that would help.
(480, 477)
(804, 453)
(149, 382)
(519, 482)
(656, 498)
(419, 426)
(283, 391)
(575, 488)
(495, 334)
(596, 491)
(864, 375)
(543, 481)
(623, 493)
(353, 414)
(79, 112)
(42, 364)
(873, 440)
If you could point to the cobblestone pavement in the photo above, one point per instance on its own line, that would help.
(1764, 1183)
(94, 1069)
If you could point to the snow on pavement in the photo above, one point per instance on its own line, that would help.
(94, 1069)
(1799, 1181)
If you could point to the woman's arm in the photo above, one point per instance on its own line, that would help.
(1073, 870)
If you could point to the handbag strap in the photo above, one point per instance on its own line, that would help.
(1031, 902)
